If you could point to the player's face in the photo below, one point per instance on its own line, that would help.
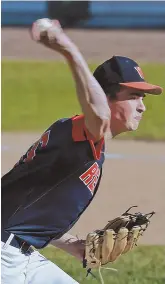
(127, 110)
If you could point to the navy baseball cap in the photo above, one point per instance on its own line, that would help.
(125, 72)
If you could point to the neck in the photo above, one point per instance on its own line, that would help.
(116, 128)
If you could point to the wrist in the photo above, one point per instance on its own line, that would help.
(71, 52)
(77, 249)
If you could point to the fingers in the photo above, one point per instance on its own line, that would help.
(119, 245)
(91, 246)
(45, 27)
(39, 28)
(54, 31)
(118, 237)
(132, 238)
(107, 245)
(56, 23)
(34, 32)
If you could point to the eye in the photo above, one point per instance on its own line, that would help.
(134, 97)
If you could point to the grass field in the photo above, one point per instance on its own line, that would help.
(144, 265)
(34, 94)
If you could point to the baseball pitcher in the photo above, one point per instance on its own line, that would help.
(54, 182)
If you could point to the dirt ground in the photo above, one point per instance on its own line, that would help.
(133, 171)
(96, 45)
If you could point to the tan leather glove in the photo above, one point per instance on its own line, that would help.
(119, 236)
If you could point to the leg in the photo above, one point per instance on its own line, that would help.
(41, 270)
(13, 265)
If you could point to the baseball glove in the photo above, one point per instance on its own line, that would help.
(119, 236)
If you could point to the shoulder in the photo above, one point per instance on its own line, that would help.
(79, 129)
(81, 133)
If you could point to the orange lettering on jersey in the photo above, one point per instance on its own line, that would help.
(91, 176)
(43, 141)
(31, 153)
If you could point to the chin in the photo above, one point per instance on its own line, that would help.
(132, 126)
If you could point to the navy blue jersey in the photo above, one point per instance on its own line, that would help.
(53, 183)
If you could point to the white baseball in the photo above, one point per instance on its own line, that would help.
(43, 25)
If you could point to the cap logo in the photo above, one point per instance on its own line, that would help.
(139, 70)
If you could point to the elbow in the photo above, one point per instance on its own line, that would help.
(102, 129)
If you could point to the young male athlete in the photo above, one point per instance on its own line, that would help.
(54, 182)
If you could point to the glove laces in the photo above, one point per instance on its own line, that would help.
(101, 280)
(100, 274)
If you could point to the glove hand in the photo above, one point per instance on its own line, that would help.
(119, 236)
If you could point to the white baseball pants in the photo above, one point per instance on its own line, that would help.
(30, 268)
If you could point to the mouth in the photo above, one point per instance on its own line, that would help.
(138, 118)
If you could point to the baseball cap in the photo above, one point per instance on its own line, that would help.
(125, 72)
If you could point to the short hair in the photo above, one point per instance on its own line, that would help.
(110, 89)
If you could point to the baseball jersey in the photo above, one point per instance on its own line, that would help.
(53, 183)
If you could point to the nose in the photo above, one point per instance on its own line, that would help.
(141, 106)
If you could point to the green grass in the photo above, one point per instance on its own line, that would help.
(144, 265)
(35, 94)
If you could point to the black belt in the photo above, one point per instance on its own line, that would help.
(16, 242)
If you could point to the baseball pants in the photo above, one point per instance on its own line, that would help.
(29, 268)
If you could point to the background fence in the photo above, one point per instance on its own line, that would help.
(87, 14)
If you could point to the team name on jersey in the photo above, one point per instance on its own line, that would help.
(90, 177)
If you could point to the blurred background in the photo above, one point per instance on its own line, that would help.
(89, 14)
(37, 89)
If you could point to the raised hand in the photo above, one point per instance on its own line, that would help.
(50, 33)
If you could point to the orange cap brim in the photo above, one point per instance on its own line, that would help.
(144, 86)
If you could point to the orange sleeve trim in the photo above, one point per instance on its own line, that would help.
(78, 128)
(81, 133)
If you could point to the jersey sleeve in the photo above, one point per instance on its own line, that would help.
(81, 133)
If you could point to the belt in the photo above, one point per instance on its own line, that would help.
(14, 241)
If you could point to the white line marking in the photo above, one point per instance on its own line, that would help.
(112, 156)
